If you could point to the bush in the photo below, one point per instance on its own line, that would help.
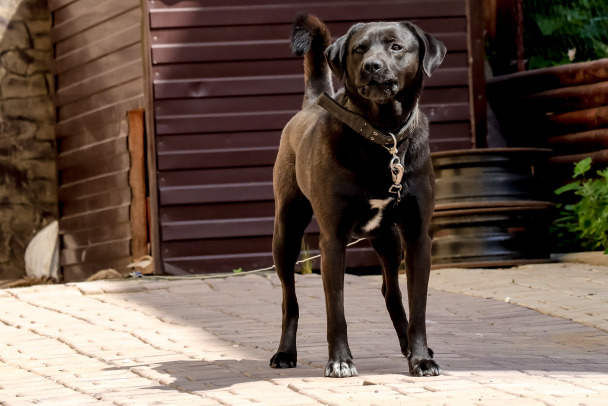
(558, 31)
(586, 221)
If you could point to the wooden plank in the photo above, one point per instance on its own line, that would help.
(65, 25)
(102, 184)
(104, 46)
(92, 35)
(95, 219)
(81, 271)
(57, 4)
(98, 118)
(99, 66)
(100, 100)
(84, 139)
(286, 13)
(99, 253)
(96, 84)
(104, 232)
(137, 181)
(108, 148)
(95, 167)
(80, 206)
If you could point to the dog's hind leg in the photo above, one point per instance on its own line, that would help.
(388, 248)
(293, 213)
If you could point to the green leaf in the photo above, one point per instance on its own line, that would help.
(237, 270)
(565, 188)
(581, 167)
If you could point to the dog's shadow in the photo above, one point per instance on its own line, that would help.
(201, 375)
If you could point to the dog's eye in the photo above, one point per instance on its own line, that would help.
(396, 47)
(359, 50)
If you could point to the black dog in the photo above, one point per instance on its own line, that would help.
(361, 163)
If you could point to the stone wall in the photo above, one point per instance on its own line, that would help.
(28, 185)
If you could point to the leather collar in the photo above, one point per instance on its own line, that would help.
(360, 125)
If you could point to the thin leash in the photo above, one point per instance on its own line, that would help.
(240, 273)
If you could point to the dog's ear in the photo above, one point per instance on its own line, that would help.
(336, 52)
(432, 51)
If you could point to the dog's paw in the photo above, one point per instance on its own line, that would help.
(423, 367)
(340, 369)
(283, 360)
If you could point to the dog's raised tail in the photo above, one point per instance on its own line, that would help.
(310, 37)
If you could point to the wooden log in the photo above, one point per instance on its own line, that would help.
(567, 99)
(587, 119)
(598, 157)
(587, 141)
(525, 83)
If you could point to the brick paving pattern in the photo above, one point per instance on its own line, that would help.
(195, 342)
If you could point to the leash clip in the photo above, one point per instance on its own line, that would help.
(397, 170)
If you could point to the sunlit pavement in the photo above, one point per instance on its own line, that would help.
(534, 335)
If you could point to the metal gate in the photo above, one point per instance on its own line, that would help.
(224, 83)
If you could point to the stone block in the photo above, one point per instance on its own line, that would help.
(40, 33)
(14, 86)
(16, 61)
(34, 108)
(33, 10)
(29, 148)
(15, 128)
(41, 61)
(46, 132)
(15, 36)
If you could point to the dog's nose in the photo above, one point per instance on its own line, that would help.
(372, 65)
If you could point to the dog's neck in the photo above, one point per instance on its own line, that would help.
(388, 117)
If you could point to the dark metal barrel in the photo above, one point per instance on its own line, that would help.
(470, 177)
(491, 208)
(491, 236)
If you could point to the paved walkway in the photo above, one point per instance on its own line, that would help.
(194, 342)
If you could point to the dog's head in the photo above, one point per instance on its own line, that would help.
(379, 60)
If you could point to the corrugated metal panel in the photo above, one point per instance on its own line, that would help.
(225, 83)
(98, 73)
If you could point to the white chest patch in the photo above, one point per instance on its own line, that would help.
(375, 221)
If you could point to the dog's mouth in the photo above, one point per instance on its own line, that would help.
(379, 92)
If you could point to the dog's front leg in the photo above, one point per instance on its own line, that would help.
(418, 268)
(340, 363)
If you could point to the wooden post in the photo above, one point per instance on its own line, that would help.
(137, 181)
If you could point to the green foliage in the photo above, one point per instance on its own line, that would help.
(305, 250)
(562, 31)
(586, 221)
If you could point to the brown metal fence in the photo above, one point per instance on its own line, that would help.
(224, 85)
